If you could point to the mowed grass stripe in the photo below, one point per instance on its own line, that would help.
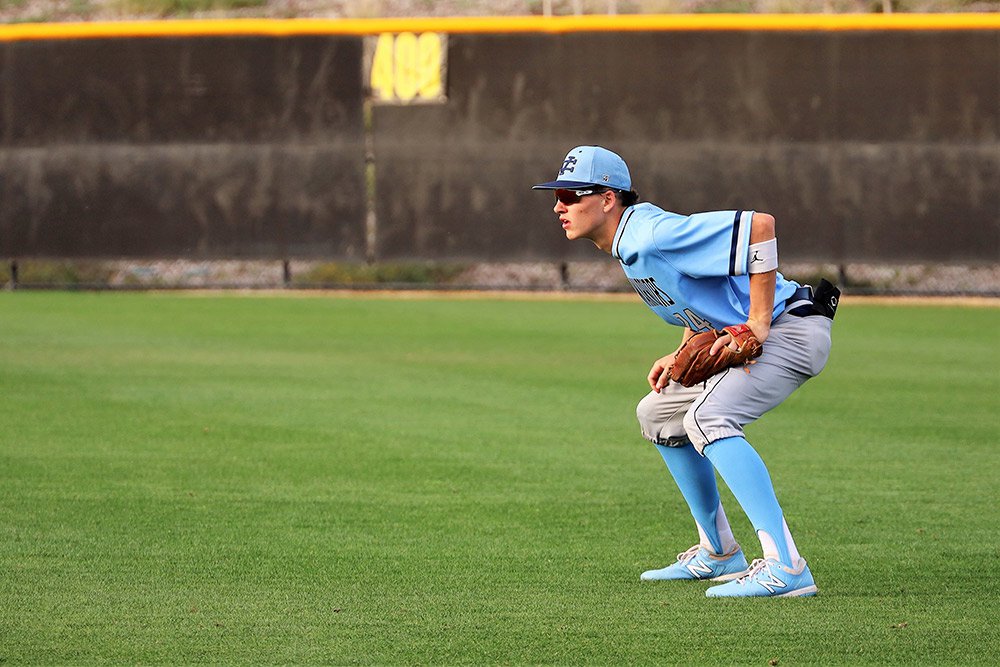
(235, 479)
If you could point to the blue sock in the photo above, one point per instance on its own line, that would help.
(695, 477)
(743, 471)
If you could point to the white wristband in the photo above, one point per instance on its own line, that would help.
(763, 257)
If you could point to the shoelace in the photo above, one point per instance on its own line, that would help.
(685, 556)
(756, 567)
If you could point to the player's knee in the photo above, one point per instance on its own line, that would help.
(653, 425)
(648, 414)
(644, 413)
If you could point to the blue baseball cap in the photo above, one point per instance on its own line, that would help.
(590, 165)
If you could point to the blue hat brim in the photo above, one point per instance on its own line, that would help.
(565, 185)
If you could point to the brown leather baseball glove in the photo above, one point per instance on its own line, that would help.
(693, 364)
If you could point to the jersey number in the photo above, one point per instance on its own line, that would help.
(692, 321)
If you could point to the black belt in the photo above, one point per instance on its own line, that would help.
(804, 303)
(803, 296)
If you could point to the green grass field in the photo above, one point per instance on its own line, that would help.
(257, 479)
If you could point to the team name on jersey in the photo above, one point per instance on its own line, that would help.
(651, 292)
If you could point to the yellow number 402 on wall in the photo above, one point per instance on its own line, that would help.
(406, 68)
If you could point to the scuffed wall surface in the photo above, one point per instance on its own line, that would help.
(867, 146)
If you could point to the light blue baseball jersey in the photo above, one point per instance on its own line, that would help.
(691, 269)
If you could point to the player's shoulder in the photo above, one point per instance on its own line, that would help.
(639, 229)
(645, 216)
(647, 228)
(654, 215)
(702, 224)
(727, 216)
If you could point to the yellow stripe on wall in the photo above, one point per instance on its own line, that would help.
(456, 25)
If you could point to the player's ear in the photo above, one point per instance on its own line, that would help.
(610, 198)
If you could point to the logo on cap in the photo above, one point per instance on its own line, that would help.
(568, 165)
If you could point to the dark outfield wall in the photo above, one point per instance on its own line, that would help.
(225, 147)
(865, 146)
(877, 145)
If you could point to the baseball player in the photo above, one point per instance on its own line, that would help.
(700, 272)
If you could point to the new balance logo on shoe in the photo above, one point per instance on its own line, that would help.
(771, 583)
(698, 568)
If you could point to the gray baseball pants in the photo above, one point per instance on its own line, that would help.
(796, 349)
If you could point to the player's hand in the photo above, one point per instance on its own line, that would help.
(659, 374)
(760, 331)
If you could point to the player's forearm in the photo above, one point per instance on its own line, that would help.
(762, 285)
(761, 303)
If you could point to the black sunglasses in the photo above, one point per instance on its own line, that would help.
(574, 196)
